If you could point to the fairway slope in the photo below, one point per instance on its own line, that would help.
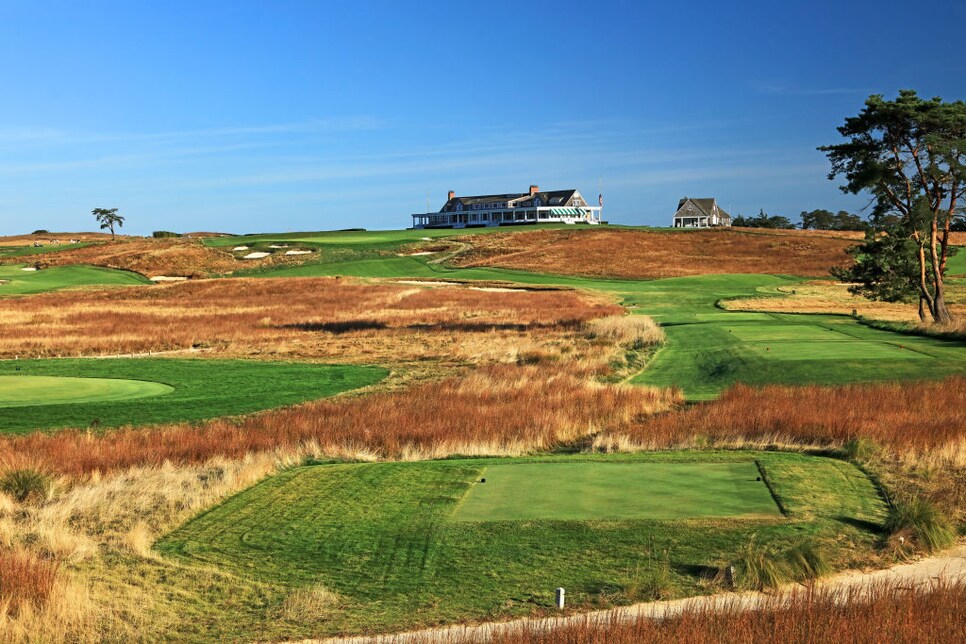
(407, 544)
(16, 281)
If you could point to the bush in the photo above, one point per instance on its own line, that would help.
(25, 580)
(26, 485)
(806, 560)
(860, 449)
(40, 232)
(921, 521)
(758, 568)
(161, 234)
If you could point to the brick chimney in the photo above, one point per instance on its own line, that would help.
(534, 189)
(450, 195)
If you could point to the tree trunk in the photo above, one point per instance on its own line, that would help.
(940, 312)
(922, 309)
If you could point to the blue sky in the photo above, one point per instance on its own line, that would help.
(253, 116)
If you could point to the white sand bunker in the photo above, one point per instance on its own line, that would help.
(277, 246)
(29, 269)
(256, 255)
(497, 289)
(426, 283)
(425, 252)
(298, 252)
(167, 278)
(237, 248)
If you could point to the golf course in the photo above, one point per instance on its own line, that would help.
(539, 430)
(57, 393)
(14, 280)
(401, 544)
(709, 348)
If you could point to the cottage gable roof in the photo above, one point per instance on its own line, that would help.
(705, 207)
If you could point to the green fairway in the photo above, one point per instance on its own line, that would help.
(384, 537)
(24, 251)
(709, 348)
(602, 491)
(15, 281)
(371, 237)
(956, 265)
(193, 390)
(23, 391)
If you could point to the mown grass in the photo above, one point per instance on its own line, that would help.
(23, 251)
(14, 281)
(381, 537)
(367, 238)
(708, 348)
(612, 491)
(202, 389)
(23, 391)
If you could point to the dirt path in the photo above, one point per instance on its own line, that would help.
(950, 566)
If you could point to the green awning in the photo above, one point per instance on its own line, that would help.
(569, 212)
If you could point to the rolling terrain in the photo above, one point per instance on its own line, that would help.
(659, 410)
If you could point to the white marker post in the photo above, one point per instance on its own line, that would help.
(560, 597)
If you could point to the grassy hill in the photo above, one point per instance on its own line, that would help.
(14, 281)
(392, 546)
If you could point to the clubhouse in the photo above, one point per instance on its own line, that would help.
(533, 207)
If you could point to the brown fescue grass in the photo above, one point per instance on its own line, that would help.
(655, 254)
(633, 330)
(498, 410)
(922, 420)
(834, 298)
(890, 613)
(25, 580)
(180, 257)
(315, 318)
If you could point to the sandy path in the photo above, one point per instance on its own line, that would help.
(950, 566)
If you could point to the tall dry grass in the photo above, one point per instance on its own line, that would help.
(651, 254)
(887, 613)
(181, 257)
(499, 409)
(920, 420)
(73, 573)
(633, 330)
(824, 296)
(323, 318)
(25, 580)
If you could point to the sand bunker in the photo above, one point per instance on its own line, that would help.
(167, 278)
(298, 252)
(236, 248)
(256, 255)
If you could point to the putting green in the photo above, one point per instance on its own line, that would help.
(611, 491)
(24, 391)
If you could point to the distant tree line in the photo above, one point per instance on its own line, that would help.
(762, 220)
(819, 219)
(822, 219)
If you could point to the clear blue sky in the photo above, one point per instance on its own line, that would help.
(281, 115)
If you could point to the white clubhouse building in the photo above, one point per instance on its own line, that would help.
(533, 207)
